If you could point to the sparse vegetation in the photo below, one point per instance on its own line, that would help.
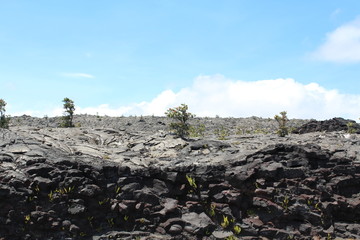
(65, 190)
(250, 130)
(69, 108)
(27, 219)
(102, 202)
(222, 133)
(282, 121)
(212, 210)
(117, 190)
(285, 203)
(225, 223)
(180, 114)
(191, 181)
(4, 120)
(237, 229)
(350, 126)
(231, 237)
(197, 131)
(111, 222)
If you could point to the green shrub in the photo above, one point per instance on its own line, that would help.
(69, 111)
(350, 127)
(282, 121)
(197, 131)
(181, 127)
(4, 120)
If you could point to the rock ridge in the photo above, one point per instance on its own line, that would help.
(107, 183)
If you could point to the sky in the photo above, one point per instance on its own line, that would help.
(232, 58)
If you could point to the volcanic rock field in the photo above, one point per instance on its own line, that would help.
(131, 178)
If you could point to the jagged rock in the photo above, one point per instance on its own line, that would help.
(175, 229)
(75, 209)
(42, 183)
(171, 221)
(6, 157)
(197, 223)
(170, 205)
(206, 144)
(335, 124)
(110, 179)
(18, 148)
(222, 234)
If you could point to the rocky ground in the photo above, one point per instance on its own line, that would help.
(130, 178)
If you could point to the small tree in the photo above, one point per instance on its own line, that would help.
(4, 120)
(69, 111)
(282, 121)
(180, 114)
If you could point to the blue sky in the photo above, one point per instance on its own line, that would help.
(141, 57)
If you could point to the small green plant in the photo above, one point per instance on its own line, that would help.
(31, 198)
(69, 108)
(191, 181)
(90, 219)
(65, 190)
(350, 128)
(4, 120)
(126, 218)
(36, 188)
(261, 131)
(111, 222)
(27, 219)
(285, 203)
(212, 210)
(251, 212)
(102, 202)
(237, 229)
(282, 121)
(117, 190)
(328, 237)
(51, 196)
(225, 222)
(221, 133)
(181, 127)
(231, 237)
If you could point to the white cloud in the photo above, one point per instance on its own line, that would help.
(341, 45)
(78, 75)
(217, 95)
(335, 13)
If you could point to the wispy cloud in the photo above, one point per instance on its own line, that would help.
(217, 95)
(78, 75)
(341, 45)
(335, 13)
